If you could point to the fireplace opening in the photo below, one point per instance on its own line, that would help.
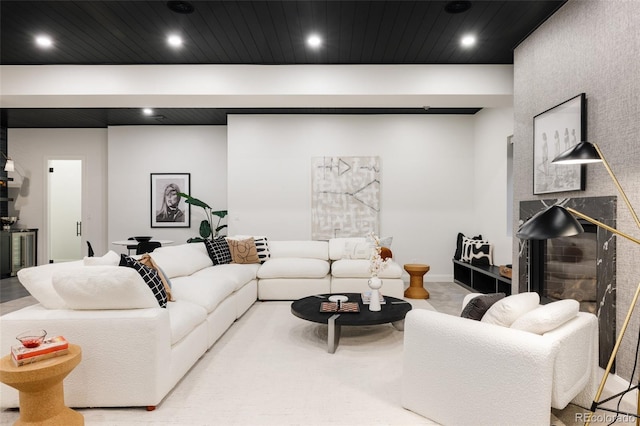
(581, 267)
(566, 268)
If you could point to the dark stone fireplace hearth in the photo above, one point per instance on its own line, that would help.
(582, 267)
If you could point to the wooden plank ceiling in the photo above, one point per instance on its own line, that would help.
(255, 32)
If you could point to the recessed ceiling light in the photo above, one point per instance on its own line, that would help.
(314, 41)
(468, 40)
(457, 6)
(147, 111)
(180, 6)
(174, 40)
(44, 41)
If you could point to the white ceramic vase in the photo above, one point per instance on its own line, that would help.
(374, 284)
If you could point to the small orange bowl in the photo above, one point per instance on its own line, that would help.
(32, 338)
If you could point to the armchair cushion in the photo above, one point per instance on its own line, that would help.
(505, 311)
(547, 317)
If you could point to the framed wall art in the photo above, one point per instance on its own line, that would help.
(554, 131)
(168, 209)
(345, 196)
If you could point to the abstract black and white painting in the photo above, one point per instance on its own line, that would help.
(345, 196)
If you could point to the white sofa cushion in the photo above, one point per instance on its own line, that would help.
(300, 249)
(208, 288)
(547, 317)
(238, 274)
(360, 268)
(103, 287)
(505, 311)
(290, 267)
(37, 281)
(111, 258)
(181, 260)
(184, 317)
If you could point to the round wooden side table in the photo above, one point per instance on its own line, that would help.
(416, 288)
(41, 391)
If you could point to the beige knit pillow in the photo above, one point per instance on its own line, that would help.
(243, 251)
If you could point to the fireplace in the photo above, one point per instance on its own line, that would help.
(580, 267)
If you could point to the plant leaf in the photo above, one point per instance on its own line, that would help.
(193, 201)
(205, 229)
(220, 213)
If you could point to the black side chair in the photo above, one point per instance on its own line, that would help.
(90, 252)
(147, 247)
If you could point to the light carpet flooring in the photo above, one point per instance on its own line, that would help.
(272, 368)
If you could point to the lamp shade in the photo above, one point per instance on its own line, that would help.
(9, 166)
(553, 222)
(582, 153)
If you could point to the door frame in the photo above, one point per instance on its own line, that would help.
(83, 189)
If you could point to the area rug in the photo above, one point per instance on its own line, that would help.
(272, 368)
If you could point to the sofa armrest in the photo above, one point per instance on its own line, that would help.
(111, 355)
(575, 376)
(460, 371)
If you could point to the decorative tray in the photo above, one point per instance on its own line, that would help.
(345, 307)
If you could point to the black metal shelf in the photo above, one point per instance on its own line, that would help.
(480, 278)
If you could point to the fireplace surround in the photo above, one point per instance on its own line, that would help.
(532, 253)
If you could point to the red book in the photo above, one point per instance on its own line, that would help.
(49, 346)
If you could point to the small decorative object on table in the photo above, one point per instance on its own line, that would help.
(49, 348)
(377, 265)
(32, 338)
(505, 271)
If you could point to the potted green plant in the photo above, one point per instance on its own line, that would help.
(206, 229)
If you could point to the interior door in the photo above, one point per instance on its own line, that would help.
(65, 210)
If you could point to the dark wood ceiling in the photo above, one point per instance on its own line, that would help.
(255, 32)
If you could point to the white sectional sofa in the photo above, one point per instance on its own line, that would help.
(134, 351)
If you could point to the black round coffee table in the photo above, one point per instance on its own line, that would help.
(308, 308)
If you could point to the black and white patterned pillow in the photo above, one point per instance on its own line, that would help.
(458, 254)
(218, 250)
(150, 276)
(477, 252)
(262, 245)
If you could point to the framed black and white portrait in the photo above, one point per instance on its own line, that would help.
(168, 209)
(555, 131)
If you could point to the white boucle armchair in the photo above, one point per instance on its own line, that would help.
(458, 371)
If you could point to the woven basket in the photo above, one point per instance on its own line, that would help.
(505, 271)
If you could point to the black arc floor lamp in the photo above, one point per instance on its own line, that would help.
(558, 221)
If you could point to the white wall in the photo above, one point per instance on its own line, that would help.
(427, 178)
(441, 174)
(137, 151)
(492, 127)
(31, 149)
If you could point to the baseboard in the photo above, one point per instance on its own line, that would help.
(616, 384)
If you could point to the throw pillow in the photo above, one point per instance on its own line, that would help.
(386, 253)
(148, 261)
(102, 287)
(477, 252)
(262, 247)
(505, 311)
(150, 277)
(357, 249)
(458, 254)
(243, 251)
(218, 250)
(110, 259)
(479, 305)
(547, 317)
